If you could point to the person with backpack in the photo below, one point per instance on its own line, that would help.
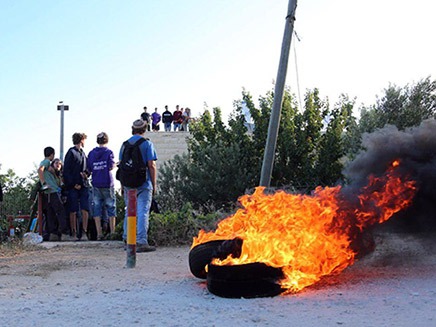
(137, 171)
(100, 164)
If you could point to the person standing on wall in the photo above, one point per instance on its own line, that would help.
(100, 164)
(186, 119)
(145, 116)
(177, 119)
(167, 119)
(156, 118)
(76, 183)
(137, 171)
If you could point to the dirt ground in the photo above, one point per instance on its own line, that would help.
(86, 284)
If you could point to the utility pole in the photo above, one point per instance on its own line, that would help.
(273, 127)
(62, 108)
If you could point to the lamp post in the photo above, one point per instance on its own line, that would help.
(62, 108)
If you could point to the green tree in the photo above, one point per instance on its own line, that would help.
(401, 106)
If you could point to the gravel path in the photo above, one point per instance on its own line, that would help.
(85, 284)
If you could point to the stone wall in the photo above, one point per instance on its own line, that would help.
(168, 144)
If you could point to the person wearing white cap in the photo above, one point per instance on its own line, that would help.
(141, 177)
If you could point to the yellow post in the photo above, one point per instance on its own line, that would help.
(131, 229)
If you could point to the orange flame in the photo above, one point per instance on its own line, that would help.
(308, 236)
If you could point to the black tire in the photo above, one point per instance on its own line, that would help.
(201, 255)
(248, 281)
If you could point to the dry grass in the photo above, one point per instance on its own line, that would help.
(16, 247)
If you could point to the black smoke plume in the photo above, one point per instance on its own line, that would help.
(416, 149)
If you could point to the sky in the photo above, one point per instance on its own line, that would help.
(107, 59)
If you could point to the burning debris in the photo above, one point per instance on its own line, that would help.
(311, 236)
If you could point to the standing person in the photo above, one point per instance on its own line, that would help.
(186, 118)
(177, 118)
(56, 170)
(137, 171)
(167, 118)
(145, 116)
(56, 220)
(155, 116)
(100, 164)
(76, 183)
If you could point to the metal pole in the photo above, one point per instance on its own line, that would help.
(273, 127)
(62, 134)
(131, 229)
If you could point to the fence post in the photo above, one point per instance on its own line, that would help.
(131, 229)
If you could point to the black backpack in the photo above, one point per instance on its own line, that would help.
(132, 170)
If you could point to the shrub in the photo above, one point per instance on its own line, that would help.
(175, 227)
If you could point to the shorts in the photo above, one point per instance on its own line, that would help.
(76, 197)
(104, 197)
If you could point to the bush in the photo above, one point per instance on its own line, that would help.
(175, 228)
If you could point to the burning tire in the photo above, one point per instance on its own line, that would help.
(201, 255)
(248, 281)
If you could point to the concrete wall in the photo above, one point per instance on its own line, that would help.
(168, 144)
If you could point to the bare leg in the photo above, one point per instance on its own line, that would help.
(98, 227)
(73, 224)
(112, 224)
(85, 220)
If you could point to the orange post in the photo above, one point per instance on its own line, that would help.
(131, 229)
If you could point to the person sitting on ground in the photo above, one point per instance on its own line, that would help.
(56, 220)
(155, 116)
(100, 164)
(145, 116)
(76, 183)
(167, 118)
(177, 119)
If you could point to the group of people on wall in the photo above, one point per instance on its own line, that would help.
(179, 119)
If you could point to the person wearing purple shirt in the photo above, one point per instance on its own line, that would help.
(155, 119)
(100, 163)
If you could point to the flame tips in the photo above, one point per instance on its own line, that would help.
(309, 236)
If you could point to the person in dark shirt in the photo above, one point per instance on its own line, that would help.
(177, 118)
(76, 183)
(145, 116)
(167, 118)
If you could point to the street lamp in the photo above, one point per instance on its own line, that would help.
(62, 108)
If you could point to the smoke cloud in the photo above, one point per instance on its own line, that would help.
(416, 149)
